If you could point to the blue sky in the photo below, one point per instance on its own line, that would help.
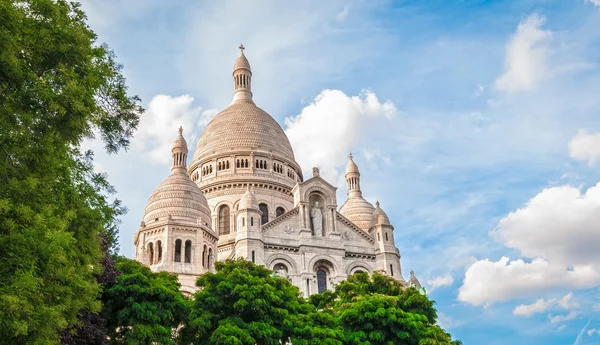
(474, 123)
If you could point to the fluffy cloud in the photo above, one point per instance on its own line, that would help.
(325, 130)
(593, 331)
(562, 318)
(585, 146)
(560, 229)
(438, 282)
(560, 224)
(595, 2)
(541, 305)
(526, 56)
(158, 125)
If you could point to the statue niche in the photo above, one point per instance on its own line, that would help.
(316, 215)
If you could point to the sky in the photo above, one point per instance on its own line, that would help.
(476, 124)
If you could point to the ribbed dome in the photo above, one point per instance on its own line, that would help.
(413, 280)
(248, 201)
(241, 62)
(179, 197)
(359, 211)
(379, 217)
(351, 167)
(180, 142)
(243, 125)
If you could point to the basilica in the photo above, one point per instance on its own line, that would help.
(245, 196)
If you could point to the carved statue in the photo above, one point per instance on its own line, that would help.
(317, 219)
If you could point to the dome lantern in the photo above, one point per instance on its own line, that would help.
(242, 79)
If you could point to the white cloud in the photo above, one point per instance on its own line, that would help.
(567, 302)
(487, 282)
(585, 146)
(438, 282)
(562, 318)
(343, 14)
(478, 90)
(447, 322)
(325, 131)
(526, 56)
(560, 224)
(540, 306)
(560, 229)
(158, 126)
(593, 331)
(594, 2)
(581, 332)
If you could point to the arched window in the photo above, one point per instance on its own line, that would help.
(378, 238)
(253, 256)
(224, 226)
(209, 257)
(204, 256)
(159, 250)
(279, 211)
(257, 164)
(246, 165)
(227, 164)
(151, 252)
(237, 163)
(177, 250)
(188, 251)
(251, 221)
(391, 270)
(321, 280)
(386, 236)
(243, 221)
(264, 219)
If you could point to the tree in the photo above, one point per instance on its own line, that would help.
(92, 328)
(246, 304)
(143, 307)
(57, 88)
(377, 309)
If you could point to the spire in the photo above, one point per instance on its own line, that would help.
(352, 178)
(242, 78)
(179, 151)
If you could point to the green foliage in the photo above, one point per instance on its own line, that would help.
(143, 307)
(57, 87)
(245, 304)
(376, 309)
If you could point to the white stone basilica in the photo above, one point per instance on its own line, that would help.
(244, 195)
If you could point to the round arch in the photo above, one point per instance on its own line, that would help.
(324, 194)
(358, 266)
(322, 258)
(281, 259)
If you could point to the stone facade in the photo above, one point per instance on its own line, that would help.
(254, 203)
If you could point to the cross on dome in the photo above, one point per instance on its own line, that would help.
(242, 48)
(180, 130)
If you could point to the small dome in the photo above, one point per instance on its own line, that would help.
(351, 167)
(379, 217)
(180, 142)
(180, 198)
(359, 211)
(248, 201)
(413, 281)
(241, 62)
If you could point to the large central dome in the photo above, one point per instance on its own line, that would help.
(243, 125)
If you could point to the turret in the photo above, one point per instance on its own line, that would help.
(356, 208)
(388, 256)
(248, 241)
